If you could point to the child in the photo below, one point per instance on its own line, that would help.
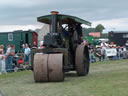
(2, 62)
(20, 61)
(92, 57)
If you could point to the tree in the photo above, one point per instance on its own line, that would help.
(88, 30)
(99, 28)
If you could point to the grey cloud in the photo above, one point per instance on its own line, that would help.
(26, 11)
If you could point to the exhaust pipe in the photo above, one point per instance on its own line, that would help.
(54, 21)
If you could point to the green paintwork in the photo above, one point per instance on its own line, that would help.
(64, 19)
(17, 36)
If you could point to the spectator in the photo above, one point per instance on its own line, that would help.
(124, 52)
(41, 46)
(1, 58)
(29, 45)
(97, 53)
(26, 54)
(2, 62)
(9, 57)
(126, 45)
(2, 47)
(121, 53)
(103, 53)
(34, 45)
(104, 44)
(22, 49)
(91, 54)
(20, 62)
(118, 52)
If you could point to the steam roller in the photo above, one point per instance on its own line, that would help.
(63, 50)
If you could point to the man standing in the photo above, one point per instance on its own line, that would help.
(126, 45)
(97, 53)
(103, 49)
(9, 57)
(26, 54)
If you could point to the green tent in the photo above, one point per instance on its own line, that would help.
(90, 39)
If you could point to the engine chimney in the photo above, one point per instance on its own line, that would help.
(54, 21)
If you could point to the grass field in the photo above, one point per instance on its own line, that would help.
(108, 78)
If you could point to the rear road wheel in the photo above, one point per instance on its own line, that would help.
(82, 60)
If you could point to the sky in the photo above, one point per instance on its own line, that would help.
(22, 14)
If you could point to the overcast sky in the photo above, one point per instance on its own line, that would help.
(22, 14)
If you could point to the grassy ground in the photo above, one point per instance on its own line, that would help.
(108, 78)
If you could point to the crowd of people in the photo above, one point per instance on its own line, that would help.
(11, 61)
(6, 58)
(99, 53)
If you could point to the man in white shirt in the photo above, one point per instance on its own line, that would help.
(26, 54)
(9, 57)
(103, 50)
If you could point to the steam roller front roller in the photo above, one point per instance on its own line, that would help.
(48, 67)
(82, 60)
(55, 67)
(40, 67)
